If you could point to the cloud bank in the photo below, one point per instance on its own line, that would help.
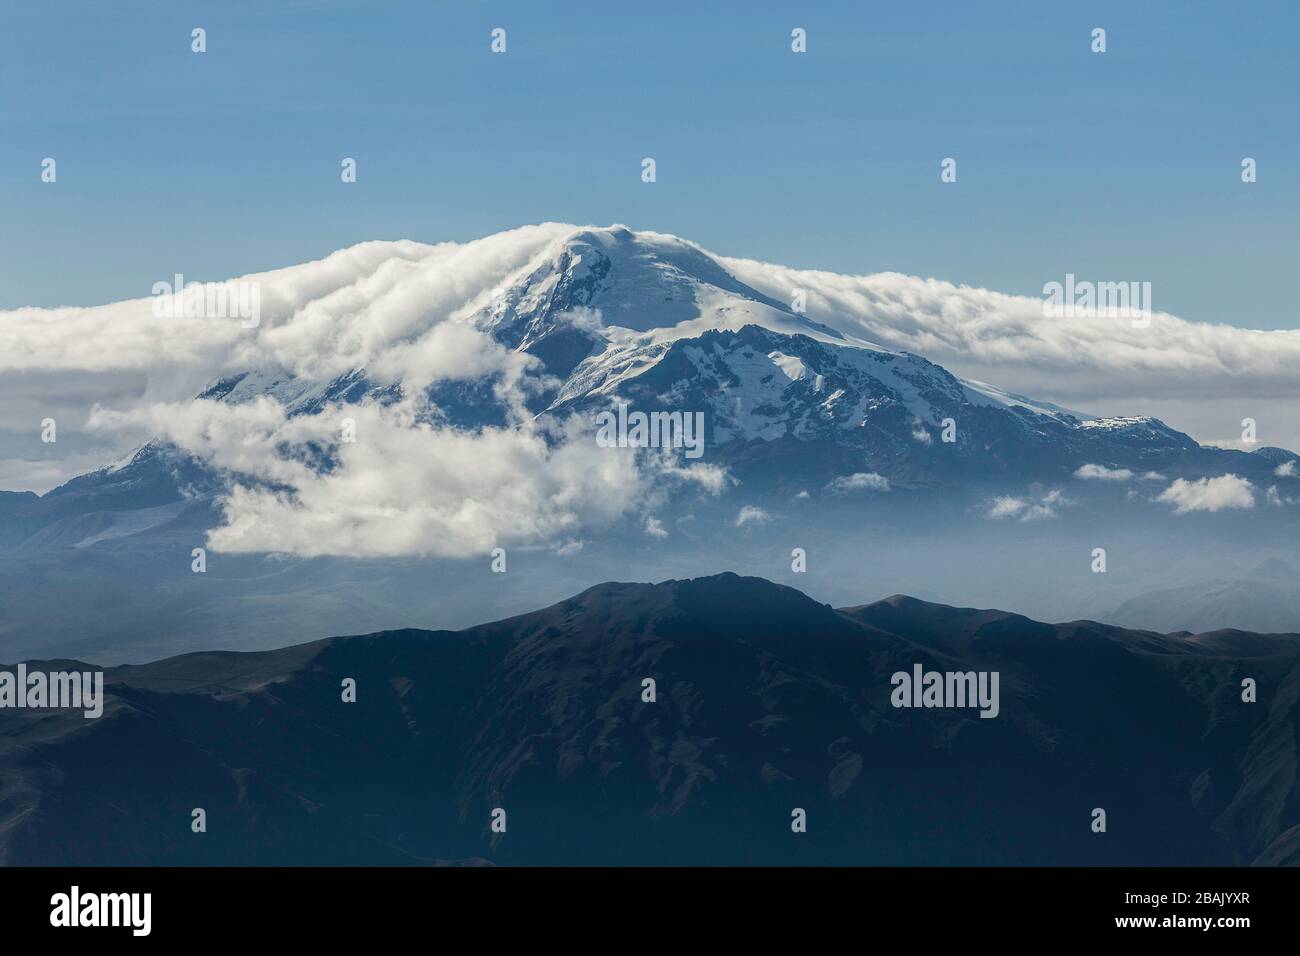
(1200, 378)
(403, 486)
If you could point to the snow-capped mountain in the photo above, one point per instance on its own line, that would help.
(603, 316)
(653, 320)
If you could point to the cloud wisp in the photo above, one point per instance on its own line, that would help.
(1209, 494)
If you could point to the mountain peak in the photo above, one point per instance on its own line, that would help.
(715, 604)
(614, 283)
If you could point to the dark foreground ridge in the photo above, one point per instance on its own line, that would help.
(765, 701)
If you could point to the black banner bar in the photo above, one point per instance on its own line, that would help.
(333, 905)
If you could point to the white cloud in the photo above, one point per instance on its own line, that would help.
(843, 484)
(1102, 473)
(455, 493)
(1028, 508)
(1277, 499)
(451, 351)
(1286, 469)
(1005, 506)
(397, 309)
(1209, 494)
(751, 515)
(712, 479)
(584, 318)
(655, 528)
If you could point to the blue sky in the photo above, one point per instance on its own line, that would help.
(1118, 166)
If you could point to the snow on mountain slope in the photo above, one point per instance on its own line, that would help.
(641, 282)
(599, 308)
(615, 314)
(754, 379)
(619, 301)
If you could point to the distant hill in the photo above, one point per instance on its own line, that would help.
(1265, 598)
(766, 701)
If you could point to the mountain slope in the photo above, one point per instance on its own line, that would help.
(765, 701)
